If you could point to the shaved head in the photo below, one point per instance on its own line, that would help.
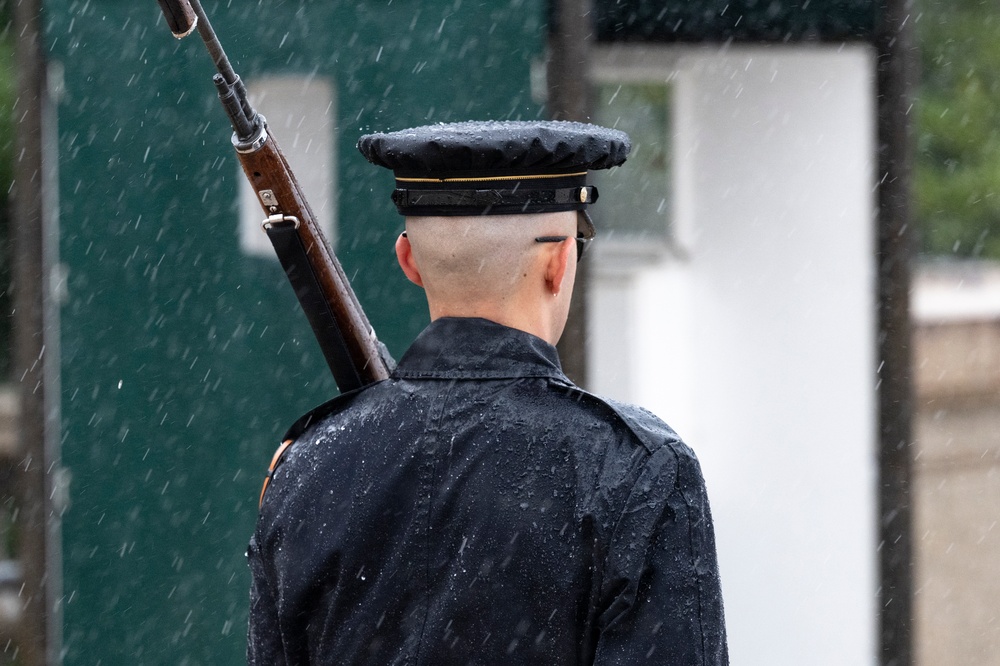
(482, 258)
(492, 267)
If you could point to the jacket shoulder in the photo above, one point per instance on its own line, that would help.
(651, 431)
(301, 426)
(320, 412)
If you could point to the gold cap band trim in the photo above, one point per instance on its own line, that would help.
(490, 178)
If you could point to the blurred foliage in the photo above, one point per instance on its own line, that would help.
(957, 170)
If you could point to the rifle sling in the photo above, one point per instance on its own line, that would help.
(292, 255)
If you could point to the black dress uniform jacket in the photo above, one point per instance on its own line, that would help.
(479, 508)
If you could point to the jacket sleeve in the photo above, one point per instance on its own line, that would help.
(264, 646)
(663, 598)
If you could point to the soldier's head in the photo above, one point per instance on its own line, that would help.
(496, 214)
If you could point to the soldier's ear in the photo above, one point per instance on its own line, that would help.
(404, 254)
(558, 263)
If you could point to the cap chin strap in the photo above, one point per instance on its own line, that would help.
(492, 201)
(585, 226)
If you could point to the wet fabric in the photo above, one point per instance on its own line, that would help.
(479, 508)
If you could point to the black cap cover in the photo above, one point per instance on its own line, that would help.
(495, 167)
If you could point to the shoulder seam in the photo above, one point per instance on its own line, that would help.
(611, 407)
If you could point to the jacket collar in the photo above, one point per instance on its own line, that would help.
(460, 348)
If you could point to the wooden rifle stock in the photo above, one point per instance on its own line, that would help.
(345, 336)
(348, 342)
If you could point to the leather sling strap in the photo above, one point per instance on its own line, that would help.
(292, 255)
(275, 461)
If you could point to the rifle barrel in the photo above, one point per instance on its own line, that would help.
(212, 43)
(346, 338)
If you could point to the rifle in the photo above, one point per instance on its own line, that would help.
(346, 338)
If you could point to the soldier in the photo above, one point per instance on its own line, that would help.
(478, 507)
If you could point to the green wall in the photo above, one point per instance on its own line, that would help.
(182, 359)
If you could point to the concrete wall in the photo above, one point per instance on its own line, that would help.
(957, 467)
(754, 333)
